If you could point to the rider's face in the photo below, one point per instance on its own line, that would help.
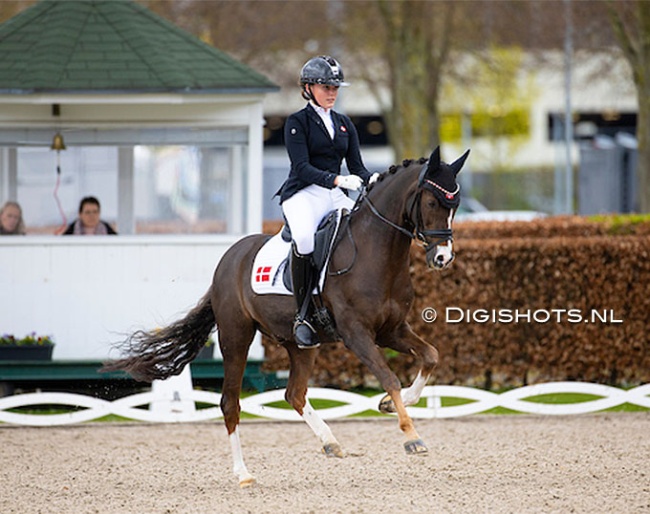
(324, 95)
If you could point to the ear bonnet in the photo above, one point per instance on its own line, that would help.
(440, 178)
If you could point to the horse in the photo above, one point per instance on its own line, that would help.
(368, 293)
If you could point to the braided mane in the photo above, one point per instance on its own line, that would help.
(396, 167)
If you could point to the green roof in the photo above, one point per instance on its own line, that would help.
(114, 46)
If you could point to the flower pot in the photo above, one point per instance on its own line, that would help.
(11, 352)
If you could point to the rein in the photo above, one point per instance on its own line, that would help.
(374, 210)
(440, 235)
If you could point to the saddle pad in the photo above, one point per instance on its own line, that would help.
(270, 262)
(269, 265)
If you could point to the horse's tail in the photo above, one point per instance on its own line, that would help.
(161, 353)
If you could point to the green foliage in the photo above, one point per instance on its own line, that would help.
(621, 224)
(514, 123)
(499, 100)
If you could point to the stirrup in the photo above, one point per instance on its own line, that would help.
(305, 335)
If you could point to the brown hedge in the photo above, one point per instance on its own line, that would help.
(532, 269)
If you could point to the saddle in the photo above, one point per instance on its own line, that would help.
(324, 240)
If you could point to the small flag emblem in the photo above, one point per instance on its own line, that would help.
(263, 274)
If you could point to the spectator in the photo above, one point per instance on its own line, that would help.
(11, 220)
(89, 222)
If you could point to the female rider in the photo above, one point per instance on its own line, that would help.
(317, 139)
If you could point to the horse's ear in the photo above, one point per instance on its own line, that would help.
(434, 163)
(458, 163)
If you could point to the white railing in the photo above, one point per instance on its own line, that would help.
(174, 401)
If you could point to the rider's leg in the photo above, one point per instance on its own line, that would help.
(303, 212)
(340, 200)
(303, 278)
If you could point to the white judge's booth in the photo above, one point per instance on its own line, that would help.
(178, 176)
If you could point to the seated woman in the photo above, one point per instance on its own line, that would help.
(89, 222)
(11, 220)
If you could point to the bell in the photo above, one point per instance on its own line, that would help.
(57, 142)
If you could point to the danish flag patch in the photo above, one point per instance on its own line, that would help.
(263, 274)
(343, 129)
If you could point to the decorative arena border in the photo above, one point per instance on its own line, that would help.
(174, 401)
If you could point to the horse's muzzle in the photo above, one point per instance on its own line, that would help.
(440, 258)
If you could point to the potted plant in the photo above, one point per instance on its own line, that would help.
(28, 348)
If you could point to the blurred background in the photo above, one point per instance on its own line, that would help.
(547, 94)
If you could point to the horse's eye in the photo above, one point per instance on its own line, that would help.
(432, 203)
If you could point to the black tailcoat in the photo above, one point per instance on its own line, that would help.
(316, 157)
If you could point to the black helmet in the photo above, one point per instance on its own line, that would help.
(322, 70)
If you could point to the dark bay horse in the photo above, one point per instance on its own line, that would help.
(368, 300)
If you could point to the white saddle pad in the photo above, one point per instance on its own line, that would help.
(268, 267)
(270, 262)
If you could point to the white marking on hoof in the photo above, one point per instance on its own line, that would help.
(246, 481)
(386, 405)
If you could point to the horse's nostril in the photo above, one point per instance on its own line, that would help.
(440, 258)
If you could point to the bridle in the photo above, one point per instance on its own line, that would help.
(417, 231)
(429, 238)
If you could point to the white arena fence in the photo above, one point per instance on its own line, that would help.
(174, 401)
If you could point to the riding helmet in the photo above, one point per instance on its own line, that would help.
(322, 70)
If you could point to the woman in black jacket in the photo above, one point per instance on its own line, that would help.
(89, 222)
(317, 139)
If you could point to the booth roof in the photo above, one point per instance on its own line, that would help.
(118, 46)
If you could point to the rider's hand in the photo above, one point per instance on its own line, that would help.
(373, 178)
(351, 182)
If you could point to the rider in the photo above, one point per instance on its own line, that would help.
(317, 139)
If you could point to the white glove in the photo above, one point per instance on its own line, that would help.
(373, 178)
(351, 182)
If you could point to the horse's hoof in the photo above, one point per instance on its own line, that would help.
(386, 405)
(333, 450)
(416, 447)
(246, 481)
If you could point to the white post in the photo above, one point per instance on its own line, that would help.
(126, 192)
(171, 395)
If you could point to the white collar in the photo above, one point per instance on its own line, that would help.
(321, 110)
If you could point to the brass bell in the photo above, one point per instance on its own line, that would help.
(57, 142)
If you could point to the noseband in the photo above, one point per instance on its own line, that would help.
(439, 236)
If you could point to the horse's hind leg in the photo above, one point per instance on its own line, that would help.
(302, 363)
(234, 343)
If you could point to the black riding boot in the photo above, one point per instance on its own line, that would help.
(303, 281)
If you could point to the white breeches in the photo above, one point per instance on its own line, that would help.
(305, 210)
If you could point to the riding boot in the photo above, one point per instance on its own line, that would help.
(303, 281)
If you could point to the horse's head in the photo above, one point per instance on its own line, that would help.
(437, 199)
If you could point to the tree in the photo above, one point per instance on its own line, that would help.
(631, 22)
(412, 41)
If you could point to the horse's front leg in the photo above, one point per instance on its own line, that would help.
(404, 340)
(410, 395)
(358, 339)
(302, 363)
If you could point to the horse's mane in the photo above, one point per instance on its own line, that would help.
(397, 167)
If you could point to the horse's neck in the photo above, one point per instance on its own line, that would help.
(382, 240)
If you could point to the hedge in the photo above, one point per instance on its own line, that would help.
(552, 274)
